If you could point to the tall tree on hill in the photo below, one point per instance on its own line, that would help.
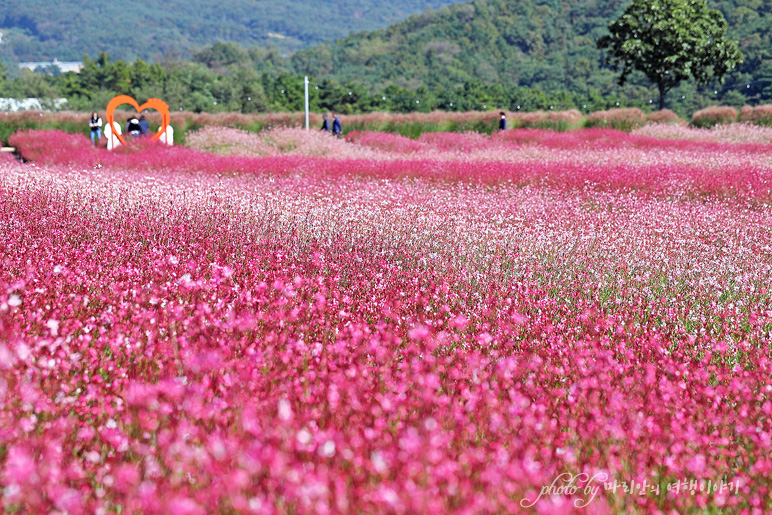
(670, 41)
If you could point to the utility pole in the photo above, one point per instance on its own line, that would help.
(306, 83)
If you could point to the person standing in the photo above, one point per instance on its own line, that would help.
(132, 126)
(144, 128)
(95, 124)
(503, 121)
(325, 123)
(336, 128)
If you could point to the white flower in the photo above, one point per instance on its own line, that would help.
(304, 437)
(327, 450)
(285, 410)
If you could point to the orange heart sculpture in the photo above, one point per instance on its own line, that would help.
(152, 103)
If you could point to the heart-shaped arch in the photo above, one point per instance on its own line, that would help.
(152, 103)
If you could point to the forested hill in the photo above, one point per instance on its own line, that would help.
(536, 54)
(37, 30)
(548, 45)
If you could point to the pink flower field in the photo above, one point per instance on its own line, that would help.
(531, 322)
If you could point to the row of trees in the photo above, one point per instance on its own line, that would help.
(218, 85)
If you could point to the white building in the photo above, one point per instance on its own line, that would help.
(64, 66)
(11, 105)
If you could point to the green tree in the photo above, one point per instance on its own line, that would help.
(670, 41)
(250, 96)
(30, 85)
(3, 74)
(220, 55)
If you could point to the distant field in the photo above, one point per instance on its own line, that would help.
(414, 125)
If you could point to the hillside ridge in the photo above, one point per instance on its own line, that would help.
(40, 30)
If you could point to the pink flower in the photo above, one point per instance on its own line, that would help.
(184, 506)
(19, 466)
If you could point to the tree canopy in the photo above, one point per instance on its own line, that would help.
(671, 41)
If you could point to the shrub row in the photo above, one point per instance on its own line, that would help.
(724, 115)
(410, 125)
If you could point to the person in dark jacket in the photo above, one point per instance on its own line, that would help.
(503, 121)
(144, 128)
(336, 128)
(95, 124)
(133, 127)
(325, 124)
